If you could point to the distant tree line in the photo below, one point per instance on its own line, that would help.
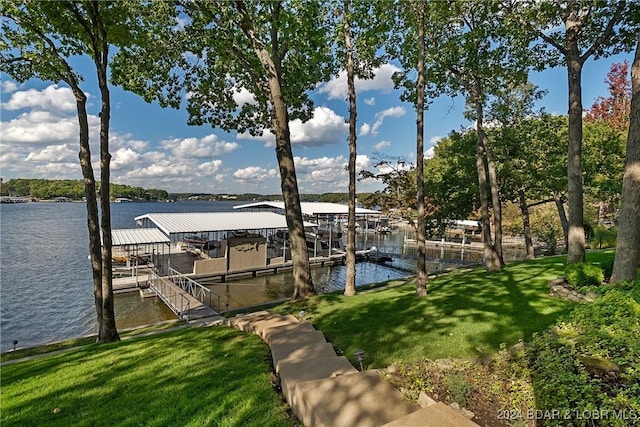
(73, 189)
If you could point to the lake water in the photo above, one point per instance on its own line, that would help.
(46, 293)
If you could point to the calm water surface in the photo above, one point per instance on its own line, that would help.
(46, 292)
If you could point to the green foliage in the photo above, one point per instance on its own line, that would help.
(606, 329)
(545, 225)
(451, 182)
(603, 237)
(582, 274)
(607, 267)
(74, 189)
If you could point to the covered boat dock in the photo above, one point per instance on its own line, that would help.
(224, 244)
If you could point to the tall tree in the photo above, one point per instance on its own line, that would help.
(627, 260)
(359, 38)
(579, 30)
(39, 38)
(350, 283)
(208, 52)
(474, 51)
(408, 45)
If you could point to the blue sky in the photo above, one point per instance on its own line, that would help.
(154, 148)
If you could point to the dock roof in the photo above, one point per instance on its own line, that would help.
(203, 222)
(138, 236)
(311, 208)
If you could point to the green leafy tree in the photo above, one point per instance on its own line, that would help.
(568, 34)
(38, 40)
(447, 174)
(278, 51)
(475, 50)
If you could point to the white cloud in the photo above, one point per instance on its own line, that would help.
(325, 128)
(254, 174)
(336, 88)
(389, 112)
(8, 86)
(244, 96)
(54, 154)
(198, 148)
(365, 129)
(370, 101)
(52, 98)
(123, 158)
(429, 153)
(381, 145)
(41, 128)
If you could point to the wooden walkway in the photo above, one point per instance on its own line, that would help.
(180, 301)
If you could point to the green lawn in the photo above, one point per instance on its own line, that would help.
(467, 313)
(197, 376)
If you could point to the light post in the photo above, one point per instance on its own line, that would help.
(359, 355)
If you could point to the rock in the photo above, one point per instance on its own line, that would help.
(600, 367)
(518, 349)
(424, 400)
(467, 413)
(393, 369)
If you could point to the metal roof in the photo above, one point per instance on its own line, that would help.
(312, 208)
(202, 222)
(138, 236)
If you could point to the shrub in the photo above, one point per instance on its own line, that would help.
(607, 330)
(582, 274)
(607, 267)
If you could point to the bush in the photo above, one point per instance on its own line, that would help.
(607, 267)
(582, 274)
(606, 330)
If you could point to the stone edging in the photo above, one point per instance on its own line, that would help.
(558, 288)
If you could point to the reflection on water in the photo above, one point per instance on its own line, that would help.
(258, 290)
(132, 310)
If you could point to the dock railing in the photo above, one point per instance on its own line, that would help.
(176, 301)
(195, 289)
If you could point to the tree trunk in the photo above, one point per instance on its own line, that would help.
(563, 219)
(350, 284)
(107, 331)
(303, 284)
(421, 266)
(491, 257)
(495, 194)
(576, 239)
(93, 223)
(627, 260)
(526, 225)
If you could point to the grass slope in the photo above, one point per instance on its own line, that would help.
(199, 376)
(467, 313)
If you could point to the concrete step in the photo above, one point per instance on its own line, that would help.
(244, 322)
(296, 352)
(437, 415)
(362, 399)
(293, 372)
(276, 321)
(300, 335)
(269, 334)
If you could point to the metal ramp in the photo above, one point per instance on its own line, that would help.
(184, 302)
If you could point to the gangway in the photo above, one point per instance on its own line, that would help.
(179, 300)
